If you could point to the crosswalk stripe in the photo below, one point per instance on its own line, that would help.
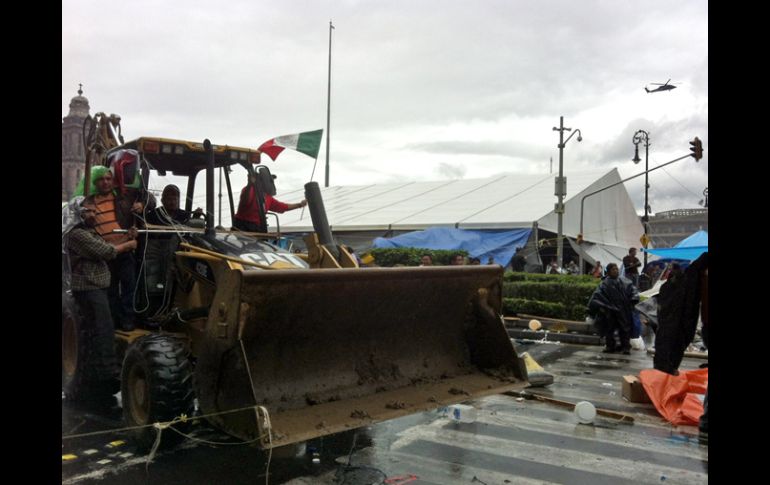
(618, 435)
(543, 460)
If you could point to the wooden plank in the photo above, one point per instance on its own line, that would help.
(571, 338)
(528, 317)
(623, 417)
(522, 321)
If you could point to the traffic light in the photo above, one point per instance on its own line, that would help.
(696, 149)
(580, 239)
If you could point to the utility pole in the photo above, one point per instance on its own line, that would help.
(561, 187)
(328, 104)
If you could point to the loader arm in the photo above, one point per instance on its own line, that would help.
(320, 256)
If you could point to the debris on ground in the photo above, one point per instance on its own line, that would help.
(396, 405)
(456, 391)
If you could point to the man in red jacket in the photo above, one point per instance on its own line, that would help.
(248, 219)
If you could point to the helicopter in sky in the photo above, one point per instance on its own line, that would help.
(661, 87)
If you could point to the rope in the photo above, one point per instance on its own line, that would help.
(248, 371)
(181, 418)
(159, 427)
(257, 409)
(162, 425)
(216, 443)
(269, 427)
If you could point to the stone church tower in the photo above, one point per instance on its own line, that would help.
(73, 155)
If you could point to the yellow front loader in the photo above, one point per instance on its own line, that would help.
(280, 348)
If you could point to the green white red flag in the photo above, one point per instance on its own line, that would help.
(308, 143)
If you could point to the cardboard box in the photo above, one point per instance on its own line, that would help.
(633, 390)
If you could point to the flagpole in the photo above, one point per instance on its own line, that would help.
(328, 103)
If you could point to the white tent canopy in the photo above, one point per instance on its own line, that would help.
(603, 253)
(504, 201)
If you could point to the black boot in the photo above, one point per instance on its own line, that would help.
(610, 346)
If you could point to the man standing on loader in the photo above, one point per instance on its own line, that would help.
(169, 213)
(247, 217)
(116, 211)
(89, 254)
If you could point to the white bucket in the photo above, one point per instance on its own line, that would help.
(585, 412)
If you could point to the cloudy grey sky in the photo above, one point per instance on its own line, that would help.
(421, 90)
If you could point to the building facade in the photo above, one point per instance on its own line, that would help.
(73, 155)
(669, 227)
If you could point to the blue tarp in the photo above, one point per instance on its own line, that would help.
(500, 245)
(687, 249)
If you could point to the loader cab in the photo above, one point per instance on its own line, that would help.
(161, 161)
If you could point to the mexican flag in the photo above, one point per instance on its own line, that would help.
(308, 143)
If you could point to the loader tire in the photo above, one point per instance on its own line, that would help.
(78, 380)
(156, 386)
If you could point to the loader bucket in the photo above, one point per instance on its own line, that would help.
(336, 349)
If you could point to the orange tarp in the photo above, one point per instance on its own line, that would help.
(679, 399)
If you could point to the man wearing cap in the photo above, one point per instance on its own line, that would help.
(170, 213)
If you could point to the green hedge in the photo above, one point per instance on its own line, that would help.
(533, 307)
(514, 306)
(411, 256)
(566, 279)
(569, 294)
(555, 296)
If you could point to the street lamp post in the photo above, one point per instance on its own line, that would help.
(561, 186)
(583, 200)
(643, 136)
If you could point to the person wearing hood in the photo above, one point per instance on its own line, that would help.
(612, 305)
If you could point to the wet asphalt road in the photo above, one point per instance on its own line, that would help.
(510, 442)
(112, 458)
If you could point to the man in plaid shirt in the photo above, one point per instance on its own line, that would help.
(89, 254)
